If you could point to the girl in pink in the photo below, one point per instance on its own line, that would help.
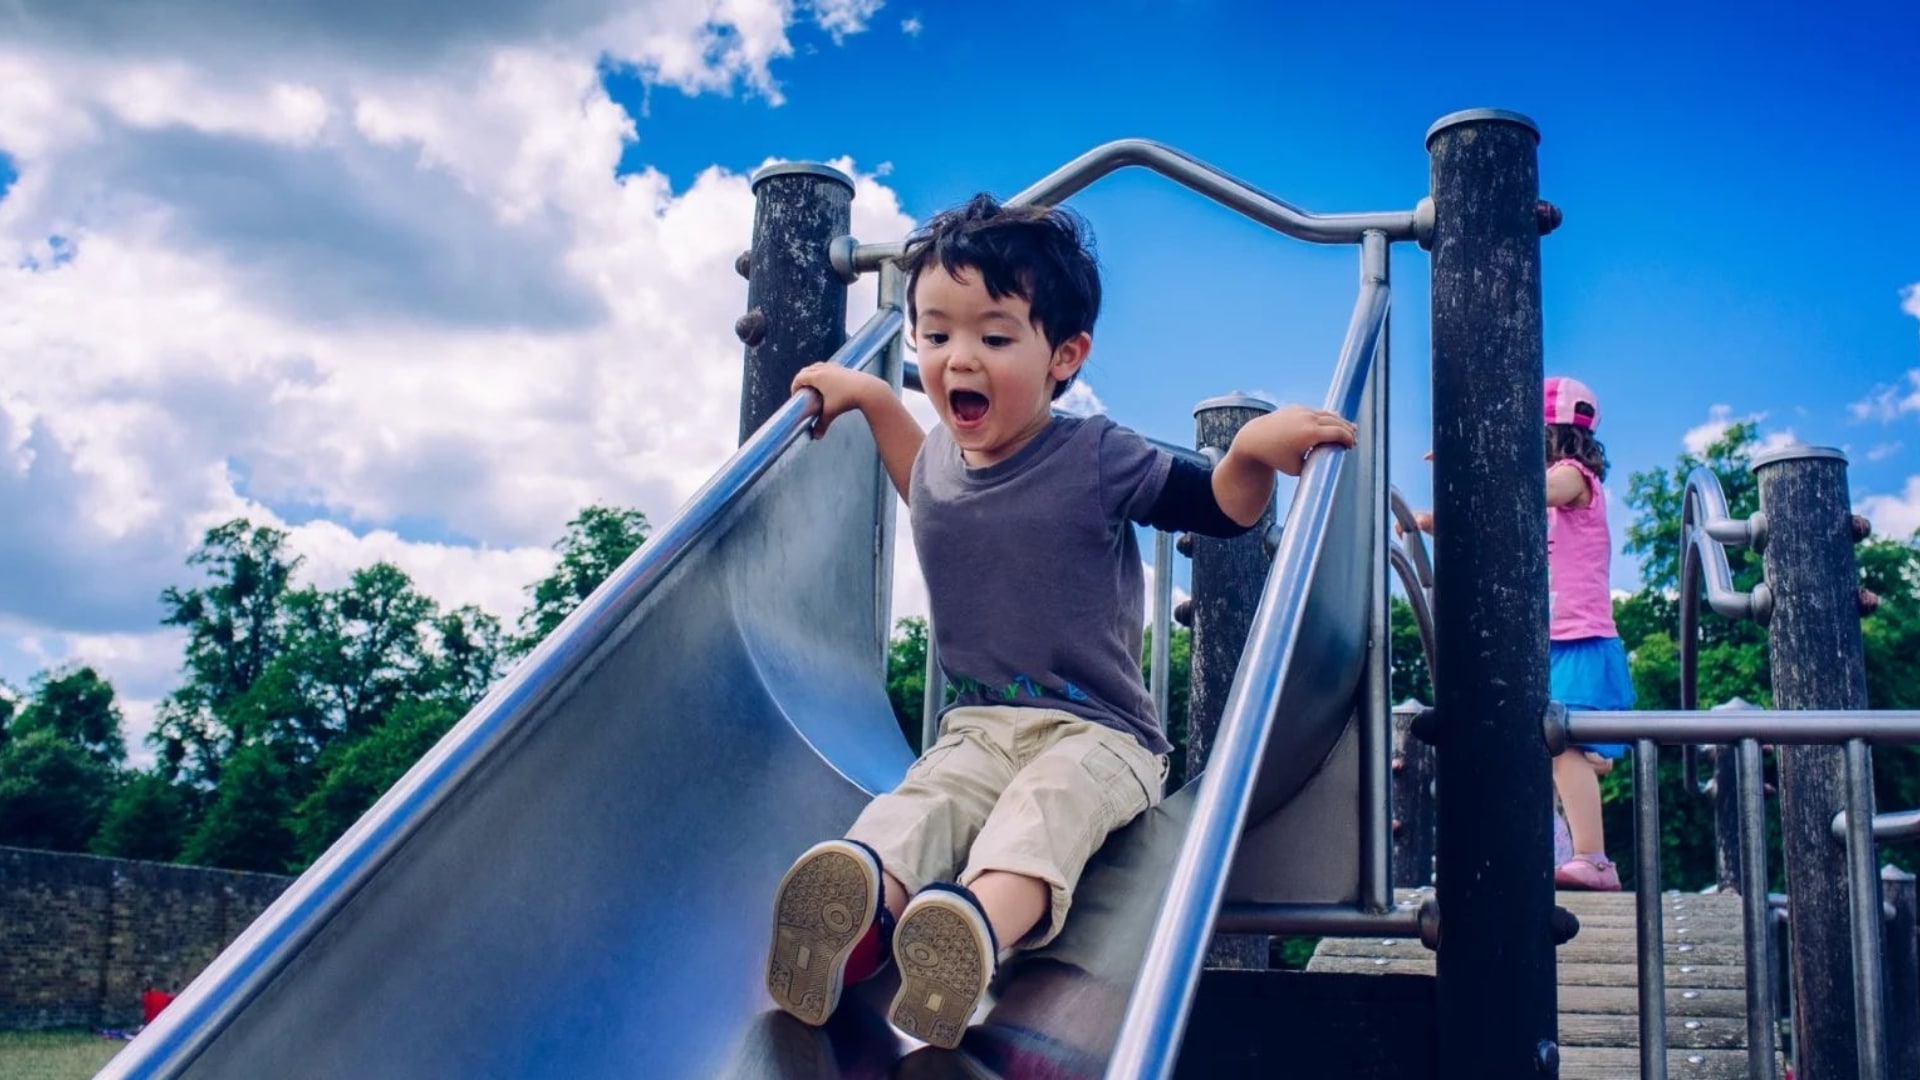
(1588, 664)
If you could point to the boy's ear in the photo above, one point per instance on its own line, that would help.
(1069, 355)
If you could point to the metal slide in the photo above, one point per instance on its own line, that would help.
(576, 881)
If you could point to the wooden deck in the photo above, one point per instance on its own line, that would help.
(1599, 979)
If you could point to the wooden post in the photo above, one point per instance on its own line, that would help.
(796, 303)
(1498, 1002)
(1902, 950)
(1813, 639)
(1228, 578)
(1413, 801)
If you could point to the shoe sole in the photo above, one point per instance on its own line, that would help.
(823, 908)
(943, 952)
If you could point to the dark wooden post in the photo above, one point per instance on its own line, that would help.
(1813, 639)
(1496, 995)
(1902, 950)
(1413, 802)
(1228, 577)
(796, 303)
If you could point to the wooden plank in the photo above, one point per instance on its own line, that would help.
(1694, 1033)
(1601, 1063)
(1679, 977)
(1577, 951)
(1625, 1001)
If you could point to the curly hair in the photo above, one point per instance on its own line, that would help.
(1043, 255)
(1569, 441)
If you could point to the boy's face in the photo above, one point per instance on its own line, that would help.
(985, 366)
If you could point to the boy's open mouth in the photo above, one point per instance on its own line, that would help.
(969, 406)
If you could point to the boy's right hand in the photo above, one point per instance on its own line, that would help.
(841, 389)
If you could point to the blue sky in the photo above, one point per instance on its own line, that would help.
(421, 297)
(1738, 189)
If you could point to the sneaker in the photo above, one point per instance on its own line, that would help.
(830, 928)
(1593, 873)
(946, 953)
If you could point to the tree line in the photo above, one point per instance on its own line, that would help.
(299, 707)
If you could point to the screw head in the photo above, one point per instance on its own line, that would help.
(1548, 215)
(751, 328)
(1546, 1058)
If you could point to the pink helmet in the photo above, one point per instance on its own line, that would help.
(1564, 398)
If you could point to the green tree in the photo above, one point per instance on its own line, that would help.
(146, 820)
(907, 675)
(236, 626)
(1179, 693)
(1407, 656)
(359, 772)
(596, 543)
(76, 705)
(469, 647)
(53, 792)
(246, 822)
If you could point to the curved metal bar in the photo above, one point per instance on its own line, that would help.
(1417, 598)
(1411, 536)
(1156, 1016)
(265, 948)
(1706, 528)
(1283, 217)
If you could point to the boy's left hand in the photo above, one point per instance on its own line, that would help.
(1280, 440)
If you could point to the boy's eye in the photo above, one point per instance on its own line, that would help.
(934, 339)
(997, 341)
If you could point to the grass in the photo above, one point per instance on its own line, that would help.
(54, 1055)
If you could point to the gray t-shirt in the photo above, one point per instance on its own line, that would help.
(1033, 572)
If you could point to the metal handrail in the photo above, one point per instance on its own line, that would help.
(1706, 529)
(227, 985)
(1156, 1016)
(1793, 727)
(1417, 598)
(1183, 169)
(1412, 537)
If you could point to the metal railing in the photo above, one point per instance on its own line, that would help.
(851, 258)
(1150, 1034)
(1707, 529)
(272, 941)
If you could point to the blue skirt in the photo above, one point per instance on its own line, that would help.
(1591, 673)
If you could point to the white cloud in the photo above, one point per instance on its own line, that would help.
(1893, 515)
(1080, 400)
(1890, 402)
(1883, 451)
(912, 26)
(366, 266)
(1719, 419)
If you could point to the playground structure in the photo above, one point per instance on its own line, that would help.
(597, 842)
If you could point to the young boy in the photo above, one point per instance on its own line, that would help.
(1023, 521)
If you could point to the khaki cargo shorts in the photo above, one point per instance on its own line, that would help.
(1026, 791)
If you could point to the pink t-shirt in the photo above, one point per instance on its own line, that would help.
(1579, 549)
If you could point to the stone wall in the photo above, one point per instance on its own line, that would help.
(82, 937)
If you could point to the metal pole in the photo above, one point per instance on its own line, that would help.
(1863, 895)
(1903, 974)
(1652, 948)
(796, 303)
(1814, 645)
(1160, 668)
(1745, 773)
(893, 365)
(1497, 999)
(1376, 718)
(1228, 578)
(1413, 802)
(935, 694)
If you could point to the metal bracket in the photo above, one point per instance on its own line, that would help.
(1553, 723)
(1430, 923)
(840, 252)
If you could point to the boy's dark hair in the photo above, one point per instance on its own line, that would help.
(1043, 255)
(1572, 441)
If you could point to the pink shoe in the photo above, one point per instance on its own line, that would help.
(1562, 840)
(1593, 873)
